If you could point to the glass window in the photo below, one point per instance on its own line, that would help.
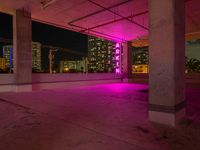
(140, 57)
(140, 60)
(56, 50)
(193, 55)
(6, 43)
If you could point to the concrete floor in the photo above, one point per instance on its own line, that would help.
(101, 117)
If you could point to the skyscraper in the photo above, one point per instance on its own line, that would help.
(2, 64)
(101, 55)
(140, 60)
(8, 56)
(140, 55)
(36, 56)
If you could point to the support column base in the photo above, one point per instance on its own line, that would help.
(170, 119)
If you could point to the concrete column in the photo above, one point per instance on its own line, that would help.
(166, 61)
(22, 38)
(127, 61)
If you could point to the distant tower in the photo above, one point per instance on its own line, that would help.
(101, 55)
(36, 56)
(2, 63)
(8, 56)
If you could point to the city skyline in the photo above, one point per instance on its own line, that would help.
(50, 36)
(41, 60)
(69, 45)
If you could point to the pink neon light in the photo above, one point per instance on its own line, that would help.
(117, 51)
(117, 45)
(117, 58)
(117, 70)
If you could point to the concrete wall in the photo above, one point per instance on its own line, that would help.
(193, 78)
(50, 81)
(7, 82)
(190, 77)
(187, 75)
(73, 77)
(6, 79)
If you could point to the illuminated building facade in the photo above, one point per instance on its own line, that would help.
(8, 56)
(101, 55)
(140, 60)
(2, 63)
(71, 66)
(140, 55)
(36, 56)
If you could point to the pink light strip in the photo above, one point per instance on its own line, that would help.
(117, 58)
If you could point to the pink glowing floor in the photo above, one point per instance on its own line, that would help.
(101, 117)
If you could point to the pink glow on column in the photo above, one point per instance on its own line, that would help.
(117, 58)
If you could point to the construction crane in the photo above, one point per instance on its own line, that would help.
(4, 40)
(63, 49)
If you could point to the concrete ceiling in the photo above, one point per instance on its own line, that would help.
(112, 19)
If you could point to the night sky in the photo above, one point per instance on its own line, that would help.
(5, 28)
(46, 34)
(50, 35)
(54, 36)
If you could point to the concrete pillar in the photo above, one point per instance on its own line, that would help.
(127, 61)
(166, 61)
(22, 38)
